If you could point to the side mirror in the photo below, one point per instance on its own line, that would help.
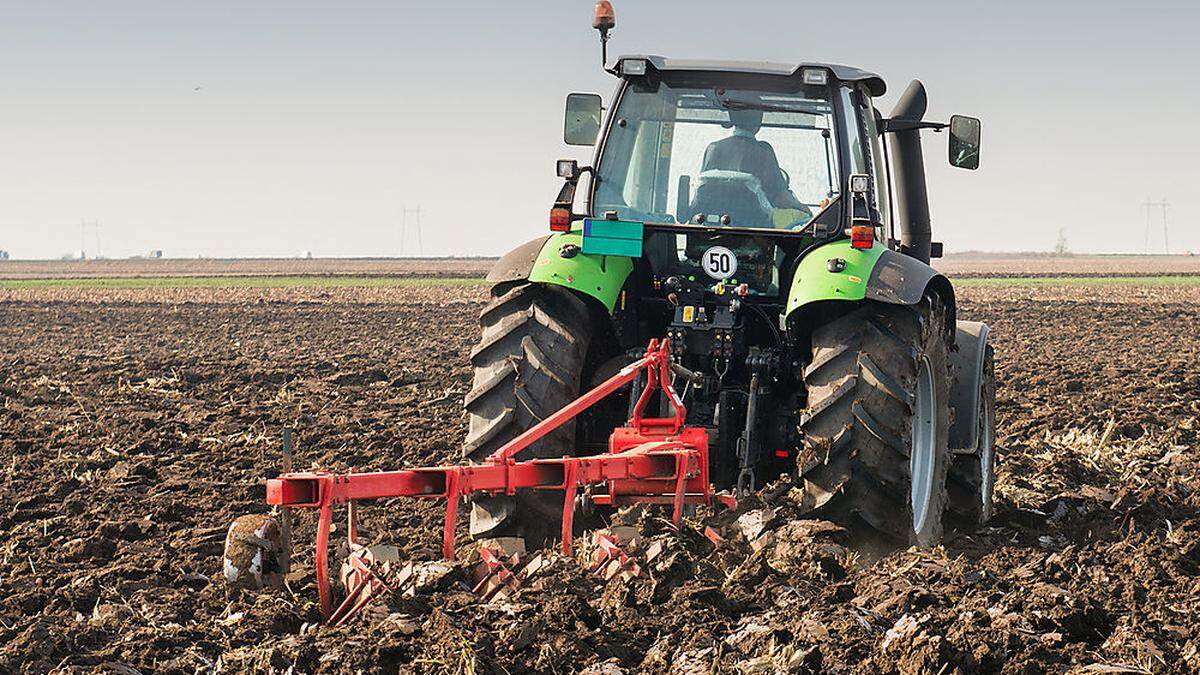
(964, 142)
(582, 123)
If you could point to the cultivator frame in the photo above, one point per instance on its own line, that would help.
(650, 460)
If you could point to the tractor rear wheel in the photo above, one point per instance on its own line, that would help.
(528, 364)
(876, 441)
(972, 478)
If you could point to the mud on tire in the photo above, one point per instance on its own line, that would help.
(528, 365)
(858, 426)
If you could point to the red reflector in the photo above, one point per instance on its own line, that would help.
(862, 236)
(781, 454)
(560, 220)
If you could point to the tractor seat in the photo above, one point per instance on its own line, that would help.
(734, 193)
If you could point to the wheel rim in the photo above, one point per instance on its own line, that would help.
(924, 445)
(987, 465)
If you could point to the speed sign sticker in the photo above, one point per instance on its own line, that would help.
(719, 262)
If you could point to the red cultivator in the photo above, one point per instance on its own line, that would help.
(651, 460)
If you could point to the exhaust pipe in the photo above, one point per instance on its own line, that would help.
(908, 168)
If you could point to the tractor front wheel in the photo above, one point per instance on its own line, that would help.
(876, 427)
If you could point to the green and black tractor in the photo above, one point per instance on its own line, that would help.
(771, 223)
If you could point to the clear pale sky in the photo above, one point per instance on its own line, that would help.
(267, 128)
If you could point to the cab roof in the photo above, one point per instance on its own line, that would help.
(873, 82)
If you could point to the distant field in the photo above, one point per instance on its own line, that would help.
(999, 264)
(215, 267)
(267, 272)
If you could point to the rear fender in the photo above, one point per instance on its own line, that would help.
(877, 273)
(903, 280)
(966, 362)
(558, 259)
(816, 280)
(517, 263)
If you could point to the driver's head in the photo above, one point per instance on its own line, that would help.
(746, 120)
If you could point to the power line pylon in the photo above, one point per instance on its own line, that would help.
(416, 213)
(1162, 206)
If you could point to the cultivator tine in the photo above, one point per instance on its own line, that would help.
(324, 592)
(363, 579)
(681, 476)
(366, 584)
(453, 496)
(570, 479)
(357, 598)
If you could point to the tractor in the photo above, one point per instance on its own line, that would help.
(765, 229)
(746, 212)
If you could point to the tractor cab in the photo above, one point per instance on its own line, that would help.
(714, 178)
(731, 145)
(722, 149)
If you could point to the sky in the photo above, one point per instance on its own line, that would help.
(224, 129)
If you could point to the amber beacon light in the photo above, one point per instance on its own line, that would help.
(604, 19)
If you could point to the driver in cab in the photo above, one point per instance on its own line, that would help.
(743, 153)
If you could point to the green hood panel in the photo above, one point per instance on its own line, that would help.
(814, 282)
(600, 276)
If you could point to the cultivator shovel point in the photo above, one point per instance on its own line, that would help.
(650, 461)
(362, 583)
(496, 572)
(502, 570)
(610, 557)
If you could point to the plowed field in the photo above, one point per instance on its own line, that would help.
(136, 424)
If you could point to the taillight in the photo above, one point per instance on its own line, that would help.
(862, 236)
(560, 220)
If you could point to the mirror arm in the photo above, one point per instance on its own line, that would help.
(566, 195)
(892, 125)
